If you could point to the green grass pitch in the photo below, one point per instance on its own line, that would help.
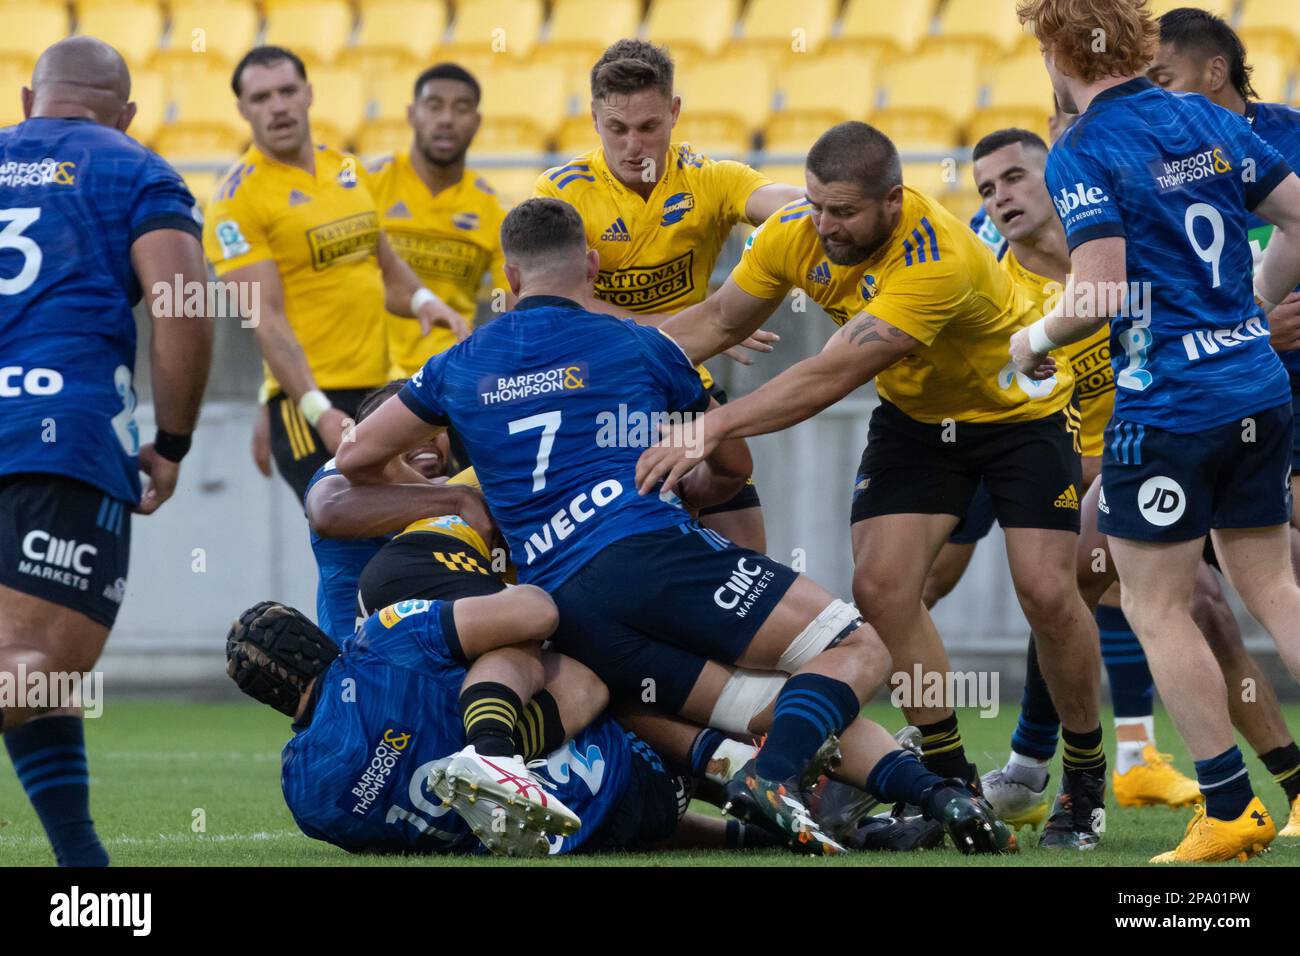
(160, 767)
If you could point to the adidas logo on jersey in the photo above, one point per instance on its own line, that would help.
(617, 232)
(820, 274)
(1069, 498)
(297, 198)
(398, 210)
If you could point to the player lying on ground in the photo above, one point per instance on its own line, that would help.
(1202, 428)
(924, 311)
(93, 222)
(569, 510)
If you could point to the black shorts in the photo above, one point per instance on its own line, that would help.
(651, 806)
(426, 565)
(746, 497)
(297, 447)
(65, 542)
(1295, 426)
(978, 520)
(648, 611)
(1032, 470)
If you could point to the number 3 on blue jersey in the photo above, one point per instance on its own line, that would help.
(549, 423)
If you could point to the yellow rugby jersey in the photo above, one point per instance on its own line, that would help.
(454, 526)
(1089, 359)
(450, 240)
(321, 231)
(934, 279)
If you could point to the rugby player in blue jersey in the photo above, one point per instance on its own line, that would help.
(1154, 190)
(90, 221)
(555, 404)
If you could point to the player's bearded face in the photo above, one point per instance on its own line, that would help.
(850, 225)
(635, 130)
(275, 101)
(445, 119)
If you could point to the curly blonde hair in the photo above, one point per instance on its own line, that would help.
(1092, 39)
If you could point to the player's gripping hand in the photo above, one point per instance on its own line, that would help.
(434, 314)
(162, 473)
(760, 341)
(1284, 324)
(333, 426)
(675, 454)
(1027, 361)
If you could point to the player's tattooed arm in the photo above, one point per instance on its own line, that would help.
(866, 329)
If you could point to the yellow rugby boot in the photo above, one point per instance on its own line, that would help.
(1292, 828)
(1209, 840)
(1155, 783)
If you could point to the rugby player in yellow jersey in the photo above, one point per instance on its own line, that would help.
(658, 213)
(444, 223)
(923, 306)
(298, 221)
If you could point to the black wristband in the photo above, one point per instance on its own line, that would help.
(169, 446)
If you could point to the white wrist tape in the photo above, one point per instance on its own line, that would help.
(313, 405)
(1264, 302)
(1039, 342)
(422, 297)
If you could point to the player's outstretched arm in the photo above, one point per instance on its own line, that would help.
(721, 476)
(180, 353)
(369, 453)
(726, 318)
(1279, 274)
(855, 355)
(405, 294)
(338, 509)
(765, 200)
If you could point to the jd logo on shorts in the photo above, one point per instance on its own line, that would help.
(1161, 501)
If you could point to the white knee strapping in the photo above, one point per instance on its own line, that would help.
(834, 620)
(743, 698)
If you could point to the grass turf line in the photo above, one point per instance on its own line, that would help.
(155, 762)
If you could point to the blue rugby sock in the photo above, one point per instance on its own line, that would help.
(1226, 784)
(49, 755)
(1038, 727)
(898, 777)
(1132, 691)
(703, 748)
(809, 709)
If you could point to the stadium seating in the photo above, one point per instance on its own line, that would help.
(149, 92)
(206, 124)
(691, 28)
(201, 183)
(815, 93)
(523, 107)
(1222, 8)
(928, 99)
(1019, 94)
(779, 30)
(580, 30)
(1271, 26)
(221, 28)
(487, 30)
(724, 104)
(397, 35)
(27, 27)
(339, 104)
(14, 75)
(385, 127)
(987, 28)
(132, 27)
(792, 173)
(316, 30)
(1269, 75)
(885, 29)
(512, 185)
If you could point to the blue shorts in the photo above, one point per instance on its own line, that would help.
(648, 611)
(978, 520)
(1164, 486)
(1295, 430)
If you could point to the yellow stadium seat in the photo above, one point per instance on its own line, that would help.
(1221, 8)
(888, 28)
(928, 98)
(201, 182)
(512, 184)
(205, 123)
(792, 173)
(27, 27)
(691, 28)
(778, 28)
(934, 177)
(724, 103)
(132, 27)
(1020, 94)
(523, 107)
(397, 34)
(338, 105)
(493, 27)
(962, 203)
(223, 29)
(385, 128)
(149, 93)
(814, 94)
(580, 30)
(987, 28)
(316, 30)
(14, 75)
(1271, 26)
(1269, 75)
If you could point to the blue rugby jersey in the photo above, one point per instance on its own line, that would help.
(74, 196)
(555, 405)
(1177, 177)
(1278, 125)
(356, 773)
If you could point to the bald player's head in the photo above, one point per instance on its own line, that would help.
(81, 77)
